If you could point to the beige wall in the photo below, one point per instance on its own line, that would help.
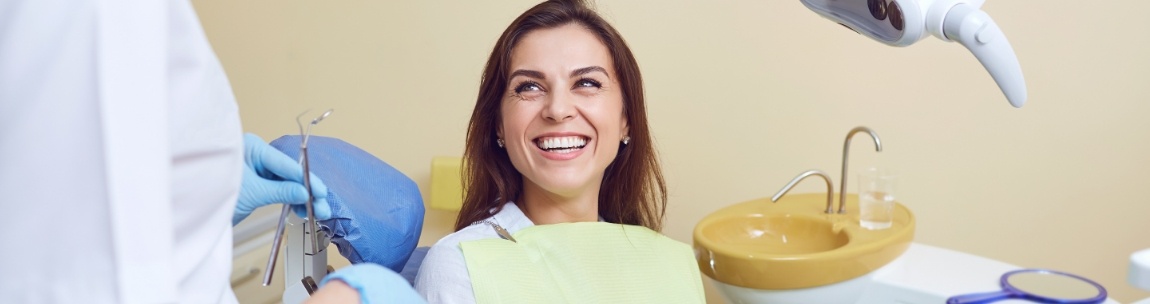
(744, 95)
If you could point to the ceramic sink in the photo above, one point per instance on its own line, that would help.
(793, 244)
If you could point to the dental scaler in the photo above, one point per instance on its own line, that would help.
(904, 22)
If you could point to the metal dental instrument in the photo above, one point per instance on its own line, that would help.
(278, 238)
(502, 232)
(307, 178)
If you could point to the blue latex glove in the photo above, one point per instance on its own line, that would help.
(375, 284)
(271, 177)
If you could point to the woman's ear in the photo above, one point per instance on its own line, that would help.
(625, 131)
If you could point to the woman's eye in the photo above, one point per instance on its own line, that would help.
(527, 87)
(587, 83)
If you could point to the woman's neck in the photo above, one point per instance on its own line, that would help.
(544, 207)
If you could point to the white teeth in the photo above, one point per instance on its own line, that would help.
(566, 142)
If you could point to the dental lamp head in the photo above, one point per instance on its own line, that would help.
(904, 22)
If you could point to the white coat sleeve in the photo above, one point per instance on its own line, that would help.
(114, 104)
(51, 157)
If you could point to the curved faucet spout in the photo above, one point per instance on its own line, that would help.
(846, 151)
(808, 173)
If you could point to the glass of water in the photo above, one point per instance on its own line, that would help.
(876, 198)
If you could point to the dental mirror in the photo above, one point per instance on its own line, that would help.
(1040, 286)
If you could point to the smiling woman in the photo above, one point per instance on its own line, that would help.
(562, 69)
(562, 122)
(559, 134)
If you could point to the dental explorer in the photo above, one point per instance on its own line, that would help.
(278, 237)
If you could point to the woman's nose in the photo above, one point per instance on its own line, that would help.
(560, 107)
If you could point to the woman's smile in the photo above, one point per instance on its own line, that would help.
(561, 146)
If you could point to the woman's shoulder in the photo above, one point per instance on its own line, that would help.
(443, 277)
(447, 256)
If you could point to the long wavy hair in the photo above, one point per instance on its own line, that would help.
(633, 191)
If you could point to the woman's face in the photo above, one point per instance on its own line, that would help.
(562, 111)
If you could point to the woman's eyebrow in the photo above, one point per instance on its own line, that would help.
(587, 70)
(527, 73)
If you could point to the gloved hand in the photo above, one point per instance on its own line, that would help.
(272, 177)
(375, 284)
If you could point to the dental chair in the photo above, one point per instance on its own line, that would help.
(377, 211)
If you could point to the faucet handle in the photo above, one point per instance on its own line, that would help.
(804, 175)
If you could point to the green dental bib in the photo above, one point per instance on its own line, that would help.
(590, 262)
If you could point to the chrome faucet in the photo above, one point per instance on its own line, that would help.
(846, 151)
(808, 173)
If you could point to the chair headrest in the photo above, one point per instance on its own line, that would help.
(377, 211)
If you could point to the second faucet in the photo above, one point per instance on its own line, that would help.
(842, 181)
(846, 151)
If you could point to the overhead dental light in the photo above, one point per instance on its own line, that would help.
(904, 22)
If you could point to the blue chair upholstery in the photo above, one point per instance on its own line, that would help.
(377, 211)
(413, 263)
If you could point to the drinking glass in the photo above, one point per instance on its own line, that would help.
(876, 198)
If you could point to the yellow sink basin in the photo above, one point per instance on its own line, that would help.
(792, 244)
(777, 234)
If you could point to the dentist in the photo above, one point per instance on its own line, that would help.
(121, 160)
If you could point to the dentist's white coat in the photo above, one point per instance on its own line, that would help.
(120, 155)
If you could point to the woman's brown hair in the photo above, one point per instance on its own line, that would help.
(633, 191)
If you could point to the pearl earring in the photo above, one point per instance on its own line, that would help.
(499, 142)
(626, 139)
